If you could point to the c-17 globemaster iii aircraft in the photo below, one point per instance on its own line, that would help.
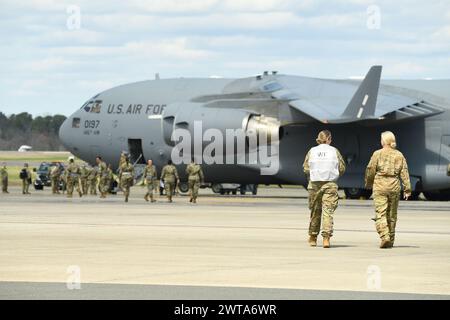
(144, 117)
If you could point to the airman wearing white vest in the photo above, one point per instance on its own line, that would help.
(323, 166)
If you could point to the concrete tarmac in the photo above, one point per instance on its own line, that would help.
(224, 247)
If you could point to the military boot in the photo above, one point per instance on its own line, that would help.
(326, 242)
(80, 194)
(146, 197)
(385, 244)
(126, 198)
(312, 240)
(194, 200)
(151, 198)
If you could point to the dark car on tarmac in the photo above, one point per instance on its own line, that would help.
(43, 175)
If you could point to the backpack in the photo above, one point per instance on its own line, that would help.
(23, 174)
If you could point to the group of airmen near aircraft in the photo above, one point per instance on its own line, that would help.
(386, 175)
(86, 179)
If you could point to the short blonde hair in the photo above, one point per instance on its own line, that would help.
(323, 136)
(388, 139)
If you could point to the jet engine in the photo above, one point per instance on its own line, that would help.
(195, 117)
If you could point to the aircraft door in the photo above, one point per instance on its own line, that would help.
(444, 159)
(136, 152)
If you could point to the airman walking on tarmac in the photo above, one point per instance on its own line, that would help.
(55, 178)
(150, 177)
(4, 178)
(126, 177)
(84, 174)
(103, 184)
(323, 166)
(92, 181)
(195, 176)
(73, 178)
(169, 175)
(383, 174)
(123, 158)
(25, 176)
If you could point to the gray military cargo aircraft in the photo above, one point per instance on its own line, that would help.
(141, 118)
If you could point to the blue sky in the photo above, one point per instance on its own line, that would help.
(47, 67)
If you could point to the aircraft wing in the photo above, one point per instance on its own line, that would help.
(334, 101)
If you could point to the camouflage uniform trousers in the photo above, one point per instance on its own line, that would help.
(72, 183)
(92, 186)
(103, 184)
(84, 185)
(386, 205)
(169, 186)
(323, 201)
(25, 186)
(194, 185)
(5, 184)
(125, 184)
(55, 185)
(151, 186)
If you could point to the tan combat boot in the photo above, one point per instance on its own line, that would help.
(326, 242)
(194, 200)
(146, 197)
(385, 244)
(312, 241)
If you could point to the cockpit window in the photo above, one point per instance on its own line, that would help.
(76, 122)
(97, 106)
(93, 106)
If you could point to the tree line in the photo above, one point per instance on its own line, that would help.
(40, 132)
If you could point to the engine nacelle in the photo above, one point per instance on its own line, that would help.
(189, 115)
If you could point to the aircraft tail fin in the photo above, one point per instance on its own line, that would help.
(363, 103)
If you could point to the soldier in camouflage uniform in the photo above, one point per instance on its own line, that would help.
(126, 177)
(26, 179)
(73, 178)
(55, 178)
(169, 175)
(103, 184)
(123, 158)
(4, 178)
(323, 165)
(195, 176)
(85, 170)
(383, 174)
(150, 177)
(92, 182)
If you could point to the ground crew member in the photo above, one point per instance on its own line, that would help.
(195, 176)
(85, 170)
(126, 177)
(4, 178)
(73, 178)
(92, 181)
(25, 176)
(383, 174)
(150, 178)
(323, 166)
(55, 178)
(103, 184)
(169, 175)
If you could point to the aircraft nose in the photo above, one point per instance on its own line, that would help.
(64, 132)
